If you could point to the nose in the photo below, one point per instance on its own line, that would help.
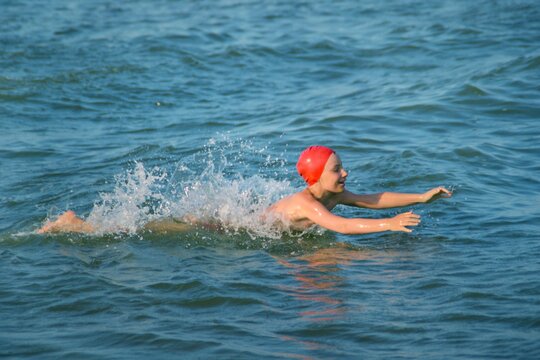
(344, 173)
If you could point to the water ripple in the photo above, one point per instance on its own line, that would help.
(411, 96)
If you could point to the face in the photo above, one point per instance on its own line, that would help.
(334, 175)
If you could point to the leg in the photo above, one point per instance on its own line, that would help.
(67, 222)
(186, 223)
(168, 225)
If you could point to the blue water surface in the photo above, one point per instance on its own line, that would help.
(128, 111)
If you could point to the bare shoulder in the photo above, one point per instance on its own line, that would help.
(293, 206)
(293, 200)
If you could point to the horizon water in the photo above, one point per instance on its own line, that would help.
(129, 113)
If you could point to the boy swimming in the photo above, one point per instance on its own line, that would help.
(325, 176)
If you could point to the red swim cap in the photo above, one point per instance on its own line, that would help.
(311, 162)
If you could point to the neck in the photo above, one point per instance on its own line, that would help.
(323, 196)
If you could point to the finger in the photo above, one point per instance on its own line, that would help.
(415, 220)
(408, 214)
(412, 218)
(406, 230)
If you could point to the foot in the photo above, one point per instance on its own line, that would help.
(67, 222)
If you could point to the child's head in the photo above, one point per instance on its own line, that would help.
(311, 162)
(316, 160)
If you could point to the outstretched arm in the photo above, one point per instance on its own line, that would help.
(317, 213)
(387, 200)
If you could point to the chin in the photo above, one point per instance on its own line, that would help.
(340, 188)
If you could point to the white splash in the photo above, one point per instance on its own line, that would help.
(235, 205)
(131, 204)
(217, 193)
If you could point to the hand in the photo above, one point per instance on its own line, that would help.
(398, 223)
(435, 193)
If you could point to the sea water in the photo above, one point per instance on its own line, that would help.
(132, 112)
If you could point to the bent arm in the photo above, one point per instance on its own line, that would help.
(387, 200)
